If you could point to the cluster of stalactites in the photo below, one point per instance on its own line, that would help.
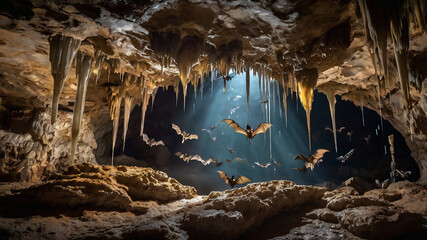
(307, 79)
(391, 18)
(61, 55)
(126, 93)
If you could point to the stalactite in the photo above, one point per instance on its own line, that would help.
(362, 108)
(62, 52)
(212, 78)
(307, 79)
(379, 101)
(115, 104)
(144, 103)
(99, 61)
(83, 73)
(128, 109)
(399, 28)
(153, 97)
(247, 89)
(285, 105)
(330, 94)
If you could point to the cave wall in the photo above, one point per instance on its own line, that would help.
(31, 148)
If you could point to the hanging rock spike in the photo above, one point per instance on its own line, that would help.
(79, 106)
(61, 55)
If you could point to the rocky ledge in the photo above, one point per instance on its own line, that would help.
(91, 201)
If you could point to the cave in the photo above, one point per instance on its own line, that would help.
(283, 119)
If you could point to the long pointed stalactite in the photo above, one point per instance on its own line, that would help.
(62, 52)
(79, 106)
(307, 79)
(330, 94)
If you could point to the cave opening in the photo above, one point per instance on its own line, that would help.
(206, 108)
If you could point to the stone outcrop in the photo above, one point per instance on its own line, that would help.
(97, 187)
(33, 148)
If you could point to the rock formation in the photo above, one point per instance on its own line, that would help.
(70, 71)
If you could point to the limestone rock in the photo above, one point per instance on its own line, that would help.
(359, 184)
(249, 205)
(383, 222)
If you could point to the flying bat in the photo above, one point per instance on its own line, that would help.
(210, 134)
(346, 157)
(185, 136)
(276, 163)
(248, 132)
(240, 160)
(214, 126)
(262, 165)
(339, 130)
(264, 101)
(186, 157)
(232, 181)
(207, 162)
(151, 142)
(312, 160)
(229, 161)
(303, 169)
(229, 149)
(349, 133)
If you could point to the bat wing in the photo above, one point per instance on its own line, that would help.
(197, 158)
(267, 165)
(259, 164)
(303, 169)
(179, 154)
(160, 143)
(242, 180)
(223, 176)
(229, 161)
(328, 129)
(262, 128)
(193, 136)
(235, 126)
(145, 138)
(319, 154)
(176, 128)
(301, 157)
(341, 128)
(218, 163)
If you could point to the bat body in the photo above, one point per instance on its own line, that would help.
(312, 160)
(262, 165)
(232, 181)
(185, 135)
(248, 132)
(346, 157)
(151, 142)
(229, 149)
